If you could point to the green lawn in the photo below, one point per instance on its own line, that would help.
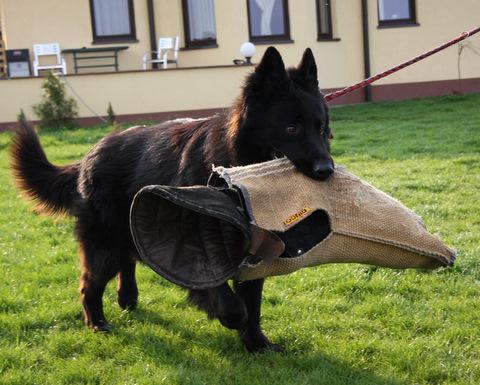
(341, 324)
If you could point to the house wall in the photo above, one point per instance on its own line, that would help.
(134, 93)
(335, 58)
(69, 23)
(340, 62)
(440, 21)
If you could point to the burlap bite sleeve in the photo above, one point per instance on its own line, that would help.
(349, 221)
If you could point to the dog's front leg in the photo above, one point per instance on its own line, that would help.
(251, 334)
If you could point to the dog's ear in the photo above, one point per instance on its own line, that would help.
(308, 69)
(270, 73)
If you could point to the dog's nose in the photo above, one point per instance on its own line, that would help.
(322, 170)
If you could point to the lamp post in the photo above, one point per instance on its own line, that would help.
(247, 50)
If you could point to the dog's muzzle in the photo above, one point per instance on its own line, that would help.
(321, 170)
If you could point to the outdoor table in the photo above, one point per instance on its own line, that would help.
(79, 54)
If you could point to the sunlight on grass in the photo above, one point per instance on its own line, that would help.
(341, 324)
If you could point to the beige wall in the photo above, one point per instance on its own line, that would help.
(69, 23)
(26, 22)
(232, 31)
(139, 92)
(440, 21)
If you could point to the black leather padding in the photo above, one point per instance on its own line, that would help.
(195, 237)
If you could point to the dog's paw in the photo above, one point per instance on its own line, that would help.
(256, 342)
(101, 326)
(127, 303)
(127, 299)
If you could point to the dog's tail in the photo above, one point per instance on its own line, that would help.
(52, 188)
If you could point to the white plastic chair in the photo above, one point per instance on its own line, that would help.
(52, 49)
(165, 45)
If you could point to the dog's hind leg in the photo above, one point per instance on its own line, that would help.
(127, 291)
(251, 335)
(98, 267)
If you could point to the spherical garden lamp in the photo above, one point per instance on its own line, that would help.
(247, 50)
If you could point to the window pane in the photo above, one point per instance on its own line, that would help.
(324, 10)
(394, 9)
(202, 19)
(266, 17)
(112, 17)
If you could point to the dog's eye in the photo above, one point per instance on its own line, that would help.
(291, 130)
(319, 125)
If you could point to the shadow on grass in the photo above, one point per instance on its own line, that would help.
(184, 360)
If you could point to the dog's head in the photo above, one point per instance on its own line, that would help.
(284, 114)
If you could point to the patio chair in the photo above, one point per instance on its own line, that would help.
(52, 49)
(165, 45)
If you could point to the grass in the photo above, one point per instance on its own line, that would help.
(340, 323)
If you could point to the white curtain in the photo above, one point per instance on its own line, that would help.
(394, 9)
(202, 19)
(111, 17)
(266, 6)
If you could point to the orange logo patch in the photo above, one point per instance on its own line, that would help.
(297, 216)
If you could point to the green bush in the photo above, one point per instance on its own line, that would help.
(21, 117)
(111, 117)
(56, 110)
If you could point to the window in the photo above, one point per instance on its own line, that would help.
(324, 19)
(199, 23)
(396, 12)
(112, 20)
(268, 20)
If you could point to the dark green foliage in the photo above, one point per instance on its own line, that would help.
(56, 110)
(111, 117)
(21, 118)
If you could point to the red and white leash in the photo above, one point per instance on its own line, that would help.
(366, 82)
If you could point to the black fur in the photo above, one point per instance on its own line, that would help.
(279, 112)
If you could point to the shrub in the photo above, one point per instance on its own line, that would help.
(111, 115)
(56, 110)
(21, 117)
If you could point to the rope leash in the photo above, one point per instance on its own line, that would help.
(81, 99)
(370, 80)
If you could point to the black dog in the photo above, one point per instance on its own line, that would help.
(279, 113)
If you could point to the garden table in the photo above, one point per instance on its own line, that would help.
(85, 53)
